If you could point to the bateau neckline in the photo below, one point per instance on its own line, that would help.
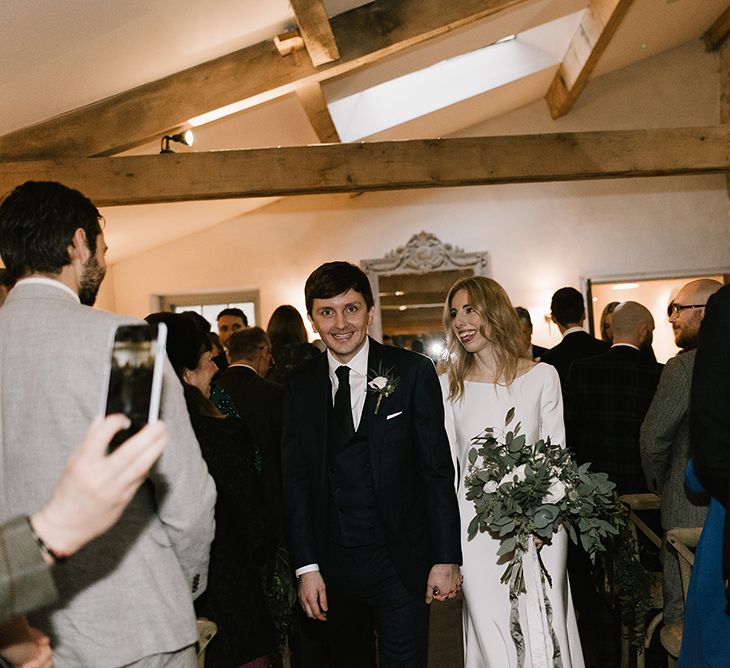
(524, 375)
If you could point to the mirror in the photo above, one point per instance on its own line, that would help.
(410, 285)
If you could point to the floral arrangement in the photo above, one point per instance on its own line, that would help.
(382, 383)
(521, 491)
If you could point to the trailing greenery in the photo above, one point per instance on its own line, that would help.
(521, 491)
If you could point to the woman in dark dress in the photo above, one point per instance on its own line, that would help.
(243, 541)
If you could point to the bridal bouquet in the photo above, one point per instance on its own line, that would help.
(521, 491)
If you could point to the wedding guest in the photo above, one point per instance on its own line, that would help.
(532, 351)
(88, 499)
(665, 436)
(244, 539)
(487, 376)
(607, 397)
(126, 597)
(606, 322)
(289, 342)
(707, 622)
(568, 312)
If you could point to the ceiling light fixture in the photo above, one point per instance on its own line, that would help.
(185, 137)
(624, 286)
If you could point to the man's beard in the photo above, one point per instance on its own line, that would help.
(91, 278)
(686, 337)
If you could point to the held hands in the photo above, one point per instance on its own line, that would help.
(313, 595)
(95, 487)
(444, 581)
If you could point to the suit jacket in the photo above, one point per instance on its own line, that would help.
(576, 345)
(410, 461)
(606, 399)
(127, 594)
(258, 402)
(710, 398)
(665, 447)
(25, 578)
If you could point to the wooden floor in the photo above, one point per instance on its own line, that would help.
(445, 649)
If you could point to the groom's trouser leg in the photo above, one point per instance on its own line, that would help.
(350, 626)
(376, 598)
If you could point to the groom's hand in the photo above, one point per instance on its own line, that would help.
(444, 581)
(313, 595)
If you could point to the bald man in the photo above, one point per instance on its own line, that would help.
(665, 440)
(607, 396)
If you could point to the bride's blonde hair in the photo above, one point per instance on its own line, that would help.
(501, 327)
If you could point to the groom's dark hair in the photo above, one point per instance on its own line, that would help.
(334, 278)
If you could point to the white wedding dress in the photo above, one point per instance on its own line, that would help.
(538, 406)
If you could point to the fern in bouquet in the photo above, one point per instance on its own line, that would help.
(523, 490)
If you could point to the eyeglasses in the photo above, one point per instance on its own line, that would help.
(674, 309)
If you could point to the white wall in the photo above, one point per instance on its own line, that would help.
(539, 236)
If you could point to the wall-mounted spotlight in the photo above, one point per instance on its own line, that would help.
(181, 138)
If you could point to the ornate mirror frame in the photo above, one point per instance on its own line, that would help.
(422, 254)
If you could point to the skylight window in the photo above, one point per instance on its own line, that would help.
(399, 100)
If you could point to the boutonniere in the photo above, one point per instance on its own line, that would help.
(382, 383)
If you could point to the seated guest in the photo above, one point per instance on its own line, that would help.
(243, 540)
(533, 352)
(289, 342)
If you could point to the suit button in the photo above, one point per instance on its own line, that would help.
(367, 466)
(338, 490)
(370, 485)
(333, 469)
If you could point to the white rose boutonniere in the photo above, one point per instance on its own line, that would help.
(382, 383)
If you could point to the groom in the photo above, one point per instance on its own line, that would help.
(368, 482)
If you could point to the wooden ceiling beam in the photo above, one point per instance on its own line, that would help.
(717, 33)
(433, 163)
(256, 74)
(597, 27)
(316, 31)
(314, 104)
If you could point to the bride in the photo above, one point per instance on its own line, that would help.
(486, 375)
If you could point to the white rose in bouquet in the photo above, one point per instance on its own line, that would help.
(519, 473)
(555, 492)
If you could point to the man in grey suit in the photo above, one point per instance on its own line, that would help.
(125, 598)
(664, 440)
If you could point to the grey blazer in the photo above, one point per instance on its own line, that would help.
(25, 578)
(129, 593)
(665, 447)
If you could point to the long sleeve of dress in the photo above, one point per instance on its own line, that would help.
(552, 423)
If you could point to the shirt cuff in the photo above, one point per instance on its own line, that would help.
(309, 568)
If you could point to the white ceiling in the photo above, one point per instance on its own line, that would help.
(57, 55)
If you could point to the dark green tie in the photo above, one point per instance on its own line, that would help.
(342, 411)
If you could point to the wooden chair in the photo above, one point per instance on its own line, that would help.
(680, 541)
(643, 502)
(206, 633)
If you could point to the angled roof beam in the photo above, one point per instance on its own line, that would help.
(441, 163)
(599, 23)
(717, 32)
(314, 104)
(256, 74)
(316, 31)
